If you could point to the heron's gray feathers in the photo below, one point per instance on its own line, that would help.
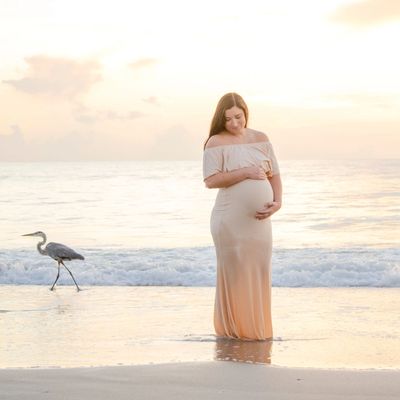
(58, 251)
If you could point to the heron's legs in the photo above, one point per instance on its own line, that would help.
(77, 287)
(58, 275)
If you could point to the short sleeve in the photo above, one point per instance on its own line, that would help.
(274, 161)
(212, 162)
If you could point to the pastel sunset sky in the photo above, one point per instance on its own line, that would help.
(138, 80)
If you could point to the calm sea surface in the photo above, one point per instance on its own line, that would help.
(147, 223)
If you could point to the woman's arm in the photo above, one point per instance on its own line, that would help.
(276, 184)
(226, 179)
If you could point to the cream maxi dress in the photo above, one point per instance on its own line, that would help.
(243, 243)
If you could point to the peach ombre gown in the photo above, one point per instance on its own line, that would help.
(243, 243)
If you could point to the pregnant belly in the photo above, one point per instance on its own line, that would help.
(249, 196)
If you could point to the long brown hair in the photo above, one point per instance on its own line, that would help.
(226, 102)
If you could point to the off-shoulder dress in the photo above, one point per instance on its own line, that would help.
(243, 244)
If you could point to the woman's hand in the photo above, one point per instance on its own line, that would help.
(268, 210)
(255, 172)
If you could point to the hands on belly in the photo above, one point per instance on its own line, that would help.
(269, 209)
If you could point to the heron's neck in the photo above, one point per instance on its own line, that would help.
(39, 247)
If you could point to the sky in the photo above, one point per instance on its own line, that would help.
(140, 80)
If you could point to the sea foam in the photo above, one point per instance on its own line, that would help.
(196, 266)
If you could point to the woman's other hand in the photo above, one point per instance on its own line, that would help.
(255, 172)
(268, 210)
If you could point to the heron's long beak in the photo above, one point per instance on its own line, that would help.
(29, 234)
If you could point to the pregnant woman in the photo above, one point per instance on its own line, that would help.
(241, 163)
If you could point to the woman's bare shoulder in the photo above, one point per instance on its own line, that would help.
(216, 140)
(257, 136)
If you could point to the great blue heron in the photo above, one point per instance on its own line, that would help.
(58, 252)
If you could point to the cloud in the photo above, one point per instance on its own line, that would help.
(113, 115)
(11, 145)
(143, 63)
(15, 137)
(84, 115)
(73, 146)
(176, 143)
(368, 13)
(57, 77)
(152, 100)
(84, 145)
(372, 100)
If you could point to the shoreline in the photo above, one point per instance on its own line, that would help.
(152, 364)
(199, 380)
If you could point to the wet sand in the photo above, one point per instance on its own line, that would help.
(202, 380)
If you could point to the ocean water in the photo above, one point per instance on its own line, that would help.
(149, 266)
(147, 223)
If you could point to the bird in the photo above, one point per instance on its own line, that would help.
(58, 252)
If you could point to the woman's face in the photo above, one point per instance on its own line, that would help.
(235, 120)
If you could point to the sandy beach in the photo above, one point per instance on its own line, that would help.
(211, 380)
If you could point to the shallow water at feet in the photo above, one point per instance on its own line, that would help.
(313, 327)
